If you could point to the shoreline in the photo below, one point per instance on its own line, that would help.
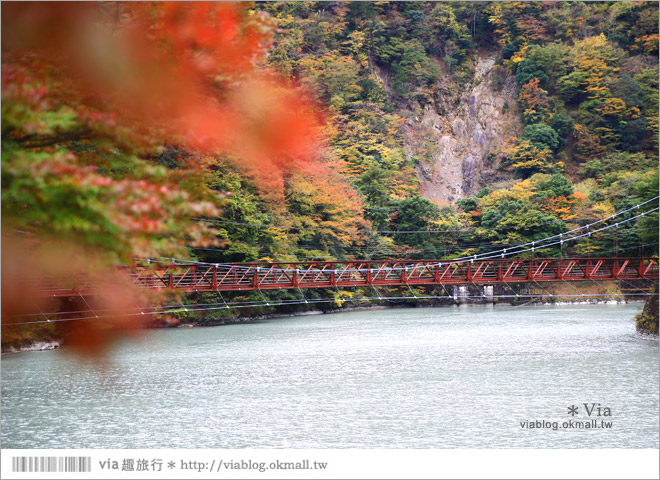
(40, 346)
(256, 318)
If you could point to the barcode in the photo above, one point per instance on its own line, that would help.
(51, 464)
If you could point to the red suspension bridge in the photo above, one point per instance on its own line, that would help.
(292, 275)
(484, 269)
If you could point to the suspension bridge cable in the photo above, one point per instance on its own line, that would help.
(535, 245)
(588, 234)
(454, 261)
(560, 235)
(323, 300)
(404, 254)
(177, 306)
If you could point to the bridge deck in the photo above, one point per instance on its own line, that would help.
(269, 276)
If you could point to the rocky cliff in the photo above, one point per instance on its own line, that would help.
(458, 139)
(647, 320)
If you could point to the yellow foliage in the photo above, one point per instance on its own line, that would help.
(613, 106)
(520, 55)
(342, 295)
(496, 14)
(524, 190)
(603, 209)
(591, 45)
(584, 188)
(528, 156)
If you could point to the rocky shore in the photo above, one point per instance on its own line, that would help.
(647, 321)
(31, 347)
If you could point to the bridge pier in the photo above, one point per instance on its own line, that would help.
(460, 293)
(488, 293)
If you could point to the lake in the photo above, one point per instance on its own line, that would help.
(448, 377)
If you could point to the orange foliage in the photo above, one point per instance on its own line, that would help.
(560, 207)
(579, 196)
(334, 207)
(532, 27)
(534, 103)
(647, 43)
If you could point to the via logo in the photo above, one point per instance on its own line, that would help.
(593, 409)
(596, 410)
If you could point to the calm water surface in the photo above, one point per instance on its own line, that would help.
(400, 378)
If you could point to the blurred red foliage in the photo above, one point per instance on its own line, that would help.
(132, 77)
(188, 71)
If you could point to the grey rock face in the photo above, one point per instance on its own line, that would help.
(466, 128)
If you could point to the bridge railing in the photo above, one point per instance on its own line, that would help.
(267, 276)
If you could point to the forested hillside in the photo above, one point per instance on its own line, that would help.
(281, 131)
(577, 136)
(586, 94)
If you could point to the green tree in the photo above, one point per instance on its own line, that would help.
(555, 185)
(593, 169)
(571, 87)
(552, 59)
(413, 214)
(630, 91)
(541, 135)
(528, 70)
(515, 221)
(448, 35)
(562, 124)
(413, 67)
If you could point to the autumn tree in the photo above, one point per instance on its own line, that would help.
(534, 103)
(528, 157)
(587, 145)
